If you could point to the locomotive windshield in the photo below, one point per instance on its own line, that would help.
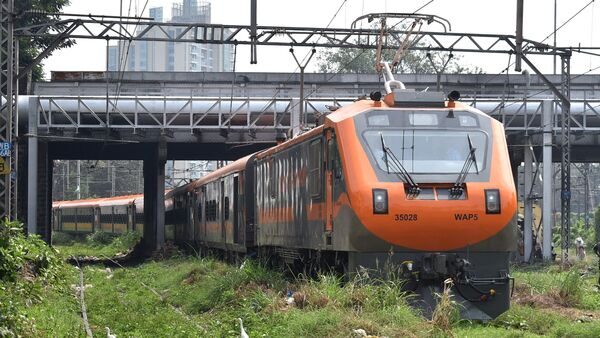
(428, 151)
(425, 142)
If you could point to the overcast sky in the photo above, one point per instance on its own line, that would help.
(476, 16)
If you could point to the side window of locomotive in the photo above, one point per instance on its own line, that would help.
(314, 173)
(334, 158)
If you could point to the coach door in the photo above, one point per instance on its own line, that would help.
(203, 215)
(236, 219)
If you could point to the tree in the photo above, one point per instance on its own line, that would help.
(31, 12)
(352, 60)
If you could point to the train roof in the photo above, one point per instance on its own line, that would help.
(235, 166)
(96, 202)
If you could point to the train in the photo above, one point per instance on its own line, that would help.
(407, 179)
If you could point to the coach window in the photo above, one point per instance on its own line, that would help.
(226, 207)
(314, 180)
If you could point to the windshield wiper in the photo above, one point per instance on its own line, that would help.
(457, 190)
(398, 168)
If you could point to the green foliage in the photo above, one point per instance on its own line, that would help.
(127, 240)
(29, 48)
(100, 244)
(28, 257)
(572, 288)
(578, 229)
(100, 238)
(349, 60)
(62, 238)
(528, 319)
(27, 267)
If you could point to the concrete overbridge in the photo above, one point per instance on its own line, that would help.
(223, 116)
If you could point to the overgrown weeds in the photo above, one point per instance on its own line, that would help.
(97, 244)
(446, 314)
(571, 289)
(27, 267)
(100, 238)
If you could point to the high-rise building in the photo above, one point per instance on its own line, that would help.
(160, 56)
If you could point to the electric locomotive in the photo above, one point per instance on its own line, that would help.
(409, 180)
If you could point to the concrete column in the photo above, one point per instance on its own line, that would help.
(548, 197)
(154, 197)
(32, 169)
(528, 204)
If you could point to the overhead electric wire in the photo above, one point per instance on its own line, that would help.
(415, 12)
(343, 67)
(123, 64)
(307, 55)
(545, 90)
(566, 22)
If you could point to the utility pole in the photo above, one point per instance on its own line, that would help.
(253, 35)
(303, 119)
(9, 57)
(519, 36)
(554, 57)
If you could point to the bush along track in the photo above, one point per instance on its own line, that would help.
(31, 273)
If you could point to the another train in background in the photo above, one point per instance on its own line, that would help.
(114, 215)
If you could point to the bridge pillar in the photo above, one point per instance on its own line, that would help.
(154, 196)
(527, 204)
(38, 182)
(32, 170)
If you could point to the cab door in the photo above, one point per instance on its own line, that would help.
(329, 180)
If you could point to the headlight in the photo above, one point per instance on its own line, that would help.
(492, 201)
(380, 201)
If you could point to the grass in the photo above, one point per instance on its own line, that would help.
(57, 314)
(99, 244)
(191, 297)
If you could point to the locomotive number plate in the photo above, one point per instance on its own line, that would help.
(405, 217)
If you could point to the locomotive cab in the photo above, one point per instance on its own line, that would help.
(431, 190)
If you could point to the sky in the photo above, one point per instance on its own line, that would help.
(469, 16)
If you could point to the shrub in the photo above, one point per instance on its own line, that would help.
(26, 265)
(62, 238)
(571, 289)
(22, 256)
(127, 240)
(100, 238)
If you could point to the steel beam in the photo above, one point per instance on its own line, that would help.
(547, 178)
(203, 33)
(8, 117)
(528, 203)
(565, 161)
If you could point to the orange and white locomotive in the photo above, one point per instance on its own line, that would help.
(409, 178)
